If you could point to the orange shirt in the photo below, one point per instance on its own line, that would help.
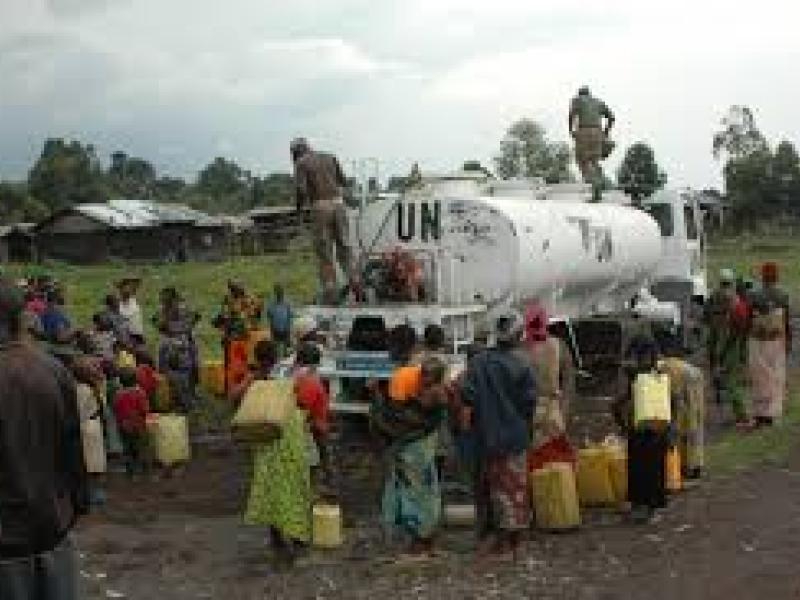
(405, 384)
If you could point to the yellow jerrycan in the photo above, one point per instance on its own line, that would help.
(555, 497)
(327, 526)
(672, 471)
(172, 440)
(594, 478)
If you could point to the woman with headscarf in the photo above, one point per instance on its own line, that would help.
(280, 490)
(237, 318)
(412, 501)
(724, 312)
(543, 353)
(177, 353)
(500, 390)
(770, 341)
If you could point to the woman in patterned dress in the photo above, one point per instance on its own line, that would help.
(280, 490)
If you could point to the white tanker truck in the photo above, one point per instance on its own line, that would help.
(480, 247)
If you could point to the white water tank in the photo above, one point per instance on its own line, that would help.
(578, 258)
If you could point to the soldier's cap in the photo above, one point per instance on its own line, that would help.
(299, 144)
(727, 276)
(583, 90)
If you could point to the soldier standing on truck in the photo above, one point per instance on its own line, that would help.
(319, 184)
(586, 114)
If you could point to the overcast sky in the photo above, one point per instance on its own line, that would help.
(434, 81)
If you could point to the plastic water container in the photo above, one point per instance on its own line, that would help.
(212, 377)
(651, 398)
(594, 478)
(460, 515)
(555, 497)
(618, 471)
(327, 526)
(672, 471)
(171, 440)
(266, 403)
(94, 450)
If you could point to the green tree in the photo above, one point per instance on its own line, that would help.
(225, 186)
(639, 175)
(525, 151)
(786, 176)
(739, 136)
(16, 205)
(276, 189)
(67, 173)
(749, 183)
(169, 189)
(131, 177)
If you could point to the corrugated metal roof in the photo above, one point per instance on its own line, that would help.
(127, 213)
(23, 227)
(267, 211)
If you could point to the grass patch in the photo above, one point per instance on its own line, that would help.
(203, 285)
(736, 451)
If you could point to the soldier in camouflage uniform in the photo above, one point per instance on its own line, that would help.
(586, 114)
(320, 182)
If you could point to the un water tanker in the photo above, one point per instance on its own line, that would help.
(498, 251)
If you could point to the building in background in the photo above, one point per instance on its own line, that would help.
(17, 243)
(132, 230)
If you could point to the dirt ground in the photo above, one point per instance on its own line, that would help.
(181, 537)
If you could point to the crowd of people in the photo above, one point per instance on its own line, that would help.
(498, 416)
(77, 401)
(749, 339)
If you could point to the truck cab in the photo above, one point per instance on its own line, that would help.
(680, 275)
(678, 215)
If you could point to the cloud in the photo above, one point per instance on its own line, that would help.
(437, 82)
(73, 8)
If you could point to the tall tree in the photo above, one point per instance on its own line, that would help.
(169, 189)
(739, 136)
(639, 175)
(786, 176)
(226, 185)
(748, 166)
(276, 189)
(131, 177)
(16, 205)
(526, 152)
(67, 173)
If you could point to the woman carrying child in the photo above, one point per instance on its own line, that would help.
(409, 420)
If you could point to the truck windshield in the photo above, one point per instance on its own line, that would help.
(691, 224)
(662, 213)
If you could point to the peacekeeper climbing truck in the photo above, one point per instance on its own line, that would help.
(458, 251)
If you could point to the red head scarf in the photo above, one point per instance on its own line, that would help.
(535, 323)
(769, 273)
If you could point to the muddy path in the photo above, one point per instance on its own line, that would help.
(181, 537)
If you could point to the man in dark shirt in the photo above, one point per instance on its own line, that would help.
(42, 475)
(590, 122)
(320, 182)
(500, 390)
